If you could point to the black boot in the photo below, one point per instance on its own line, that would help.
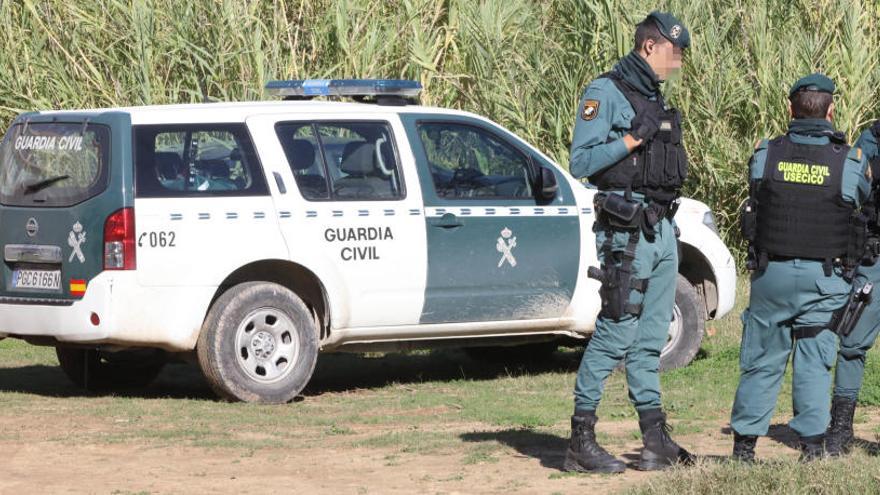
(812, 448)
(839, 437)
(660, 450)
(584, 454)
(744, 447)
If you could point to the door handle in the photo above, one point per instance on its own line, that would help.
(447, 221)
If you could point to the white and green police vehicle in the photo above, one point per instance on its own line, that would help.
(258, 235)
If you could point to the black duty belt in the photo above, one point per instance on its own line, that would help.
(774, 257)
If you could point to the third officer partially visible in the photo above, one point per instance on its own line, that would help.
(806, 239)
(854, 346)
(627, 140)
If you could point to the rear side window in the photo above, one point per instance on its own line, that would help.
(196, 160)
(53, 164)
(342, 160)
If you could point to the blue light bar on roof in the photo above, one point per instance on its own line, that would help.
(345, 87)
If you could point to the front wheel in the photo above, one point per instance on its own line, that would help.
(258, 344)
(685, 329)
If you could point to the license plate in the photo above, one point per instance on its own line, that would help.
(36, 279)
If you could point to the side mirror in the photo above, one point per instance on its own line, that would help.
(547, 185)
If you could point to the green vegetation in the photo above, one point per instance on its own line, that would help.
(523, 63)
(856, 475)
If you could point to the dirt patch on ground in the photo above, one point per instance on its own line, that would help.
(513, 461)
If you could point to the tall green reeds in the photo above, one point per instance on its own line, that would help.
(523, 63)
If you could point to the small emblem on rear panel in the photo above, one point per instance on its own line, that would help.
(32, 227)
(75, 239)
(505, 245)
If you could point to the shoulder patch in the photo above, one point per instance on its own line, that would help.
(590, 110)
(859, 154)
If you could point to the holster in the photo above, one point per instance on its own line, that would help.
(845, 319)
(616, 287)
(616, 276)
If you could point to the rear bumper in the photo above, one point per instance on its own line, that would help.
(130, 315)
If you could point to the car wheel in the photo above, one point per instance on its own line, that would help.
(685, 329)
(101, 371)
(258, 344)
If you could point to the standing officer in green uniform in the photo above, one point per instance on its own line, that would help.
(853, 347)
(806, 238)
(628, 142)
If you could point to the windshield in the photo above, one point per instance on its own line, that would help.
(53, 164)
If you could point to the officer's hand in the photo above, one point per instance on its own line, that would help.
(645, 126)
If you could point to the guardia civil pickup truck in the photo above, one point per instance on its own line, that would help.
(258, 235)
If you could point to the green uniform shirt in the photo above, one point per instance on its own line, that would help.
(597, 142)
(855, 186)
(868, 143)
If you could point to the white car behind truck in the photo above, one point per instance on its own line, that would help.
(259, 235)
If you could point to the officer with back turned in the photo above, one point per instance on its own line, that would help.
(806, 238)
(855, 345)
(628, 142)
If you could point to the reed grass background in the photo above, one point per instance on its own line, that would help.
(523, 63)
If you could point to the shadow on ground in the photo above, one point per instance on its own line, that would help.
(177, 381)
(334, 373)
(548, 449)
(341, 372)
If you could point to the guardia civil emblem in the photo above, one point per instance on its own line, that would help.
(675, 32)
(505, 245)
(75, 239)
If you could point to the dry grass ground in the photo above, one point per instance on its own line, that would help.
(436, 422)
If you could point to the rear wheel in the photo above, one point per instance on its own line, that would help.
(101, 371)
(258, 344)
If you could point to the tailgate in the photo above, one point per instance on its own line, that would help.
(61, 176)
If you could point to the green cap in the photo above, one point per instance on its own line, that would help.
(813, 82)
(671, 28)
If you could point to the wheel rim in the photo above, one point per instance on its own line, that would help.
(267, 345)
(676, 330)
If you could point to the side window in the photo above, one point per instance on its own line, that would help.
(342, 160)
(467, 162)
(181, 161)
(301, 147)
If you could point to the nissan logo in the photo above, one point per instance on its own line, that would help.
(32, 227)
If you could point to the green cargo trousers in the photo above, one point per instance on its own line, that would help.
(784, 296)
(853, 347)
(638, 339)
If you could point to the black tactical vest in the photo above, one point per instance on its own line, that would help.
(871, 208)
(801, 212)
(657, 168)
(875, 161)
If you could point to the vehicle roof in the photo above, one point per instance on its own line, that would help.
(238, 111)
(230, 112)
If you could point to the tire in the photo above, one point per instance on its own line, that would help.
(258, 344)
(99, 371)
(685, 330)
(525, 353)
